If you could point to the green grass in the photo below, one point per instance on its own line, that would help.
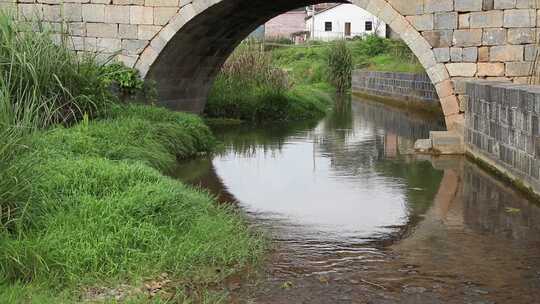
(308, 63)
(255, 103)
(252, 88)
(102, 212)
(391, 63)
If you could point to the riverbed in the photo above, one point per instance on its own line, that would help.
(354, 216)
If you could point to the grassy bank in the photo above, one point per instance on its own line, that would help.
(87, 211)
(308, 63)
(101, 212)
(251, 88)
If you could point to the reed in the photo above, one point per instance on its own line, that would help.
(340, 65)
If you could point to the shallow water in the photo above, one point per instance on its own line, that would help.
(355, 217)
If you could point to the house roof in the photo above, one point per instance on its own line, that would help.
(324, 10)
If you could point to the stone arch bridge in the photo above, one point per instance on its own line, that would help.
(181, 44)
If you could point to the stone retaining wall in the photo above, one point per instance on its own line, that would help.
(502, 128)
(401, 87)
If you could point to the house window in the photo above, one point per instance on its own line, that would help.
(328, 26)
(369, 26)
(347, 29)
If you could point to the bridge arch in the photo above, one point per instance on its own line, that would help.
(187, 53)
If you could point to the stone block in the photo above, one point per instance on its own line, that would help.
(483, 54)
(409, 7)
(76, 28)
(530, 52)
(93, 12)
(76, 43)
(494, 36)
(461, 69)
(109, 45)
(422, 146)
(117, 14)
(495, 69)
(127, 31)
(128, 60)
(141, 15)
(467, 5)
(52, 13)
(162, 15)
(487, 5)
(437, 39)
(527, 4)
(486, 19)
(162, 3)
(449, 105)
(442, 54)
(128, 2)
(518, 69)
(445, 21)
(445, 88)
(133, 46)
(520, 18)
(447, 142)
(506, 53)
(72, 12)
(464, 38)
(102, 30)
(521, 35)
(464, 21)
(421, 22)
(470, 54)
(101, 1)
(147, 32)
(456, 54)
(434, 6)
(504, 4)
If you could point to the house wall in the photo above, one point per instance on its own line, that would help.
(286, 24)
(341, 14)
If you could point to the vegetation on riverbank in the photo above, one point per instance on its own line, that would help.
(250, 88)
(85, 205)
(308, 63)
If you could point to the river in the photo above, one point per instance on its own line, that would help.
(355, 217)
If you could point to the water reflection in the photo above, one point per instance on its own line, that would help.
(344, 198)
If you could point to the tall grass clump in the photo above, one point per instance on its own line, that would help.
(340, 65)
(42, 81)
(250, 87)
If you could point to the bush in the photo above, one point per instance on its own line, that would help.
(370, 46)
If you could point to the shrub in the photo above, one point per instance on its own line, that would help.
(370, 45)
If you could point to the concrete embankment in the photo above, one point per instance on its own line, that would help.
(501, 130)
(407, 90)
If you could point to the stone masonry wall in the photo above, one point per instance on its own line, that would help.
(405, 87)
(502, 128)
(454, 40)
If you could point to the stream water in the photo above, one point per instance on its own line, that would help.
(355, 217)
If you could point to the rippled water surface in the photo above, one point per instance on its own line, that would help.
(356, 217)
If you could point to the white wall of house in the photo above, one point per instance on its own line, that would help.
(341, 15)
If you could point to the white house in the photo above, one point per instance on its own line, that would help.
(343, 21)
